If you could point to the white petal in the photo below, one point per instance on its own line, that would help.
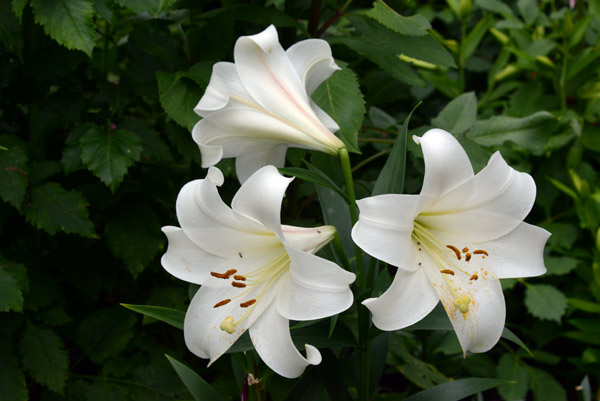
(493, 203)
(248, 163)
(214, 227)
(519, 253)
(186, 261)
(409, 299)
(385, 226)
(270, 335)
(446, 164)
(260, 197)
(202, 332)
(480, 328)
(316, 288)
(224, 82)
(327, 121)
(308, 239)
(313, 62)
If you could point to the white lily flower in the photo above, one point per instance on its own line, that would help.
(453, 242)
(254, 273)
(257, 107)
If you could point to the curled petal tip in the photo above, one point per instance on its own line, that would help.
(417, 139)
(215, 176)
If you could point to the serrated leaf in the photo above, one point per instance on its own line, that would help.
(154, 146)
(544, 387)
(12, 379)
(316, 177)
(105, 333)
(558, 266)
(69, 22)
(18, 6)
(71, 157)
(44, 356)
(10, 29)
(510, 369)
(134, 235)
(545, 302)
(171, 316)
(11, 297)
(413, 26)
(391, 177)
(456, 390)
(341, 98)
(13, 171)
(152, 7)
(109, 154)
(53, 208)
(530, 132)
(459, 115)
(178, 96)
(196, 385)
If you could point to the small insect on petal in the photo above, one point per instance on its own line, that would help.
(223, 302)
(447, 271)
(248, 303)
(238, 284)
(455, 249)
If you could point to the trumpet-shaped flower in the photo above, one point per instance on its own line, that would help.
(254, 273)
(453, 242)
(257, 107)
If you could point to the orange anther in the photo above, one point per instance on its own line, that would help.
(238, 277)
(248, 303)
(238, 285)
(468, 257)
(455, 249)
(447, 271)
(480, 252)
(225, 275)
(465, 249)
(223, 302)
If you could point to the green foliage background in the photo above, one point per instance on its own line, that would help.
(96, 100)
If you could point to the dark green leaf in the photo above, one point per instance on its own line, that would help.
(510, 369)
(43, 355)
(560, 265)
(306, 389)
(13, 171)
(582, 304)
(18, 6)
(109, 154)
(545, 302)
(459, 115)
(69, 22)
(456, 390)
(152, 7)
(171, 316)
(11, 297)
(12, 379)
(134, 235)
(10, 30)
(413, 26)
(530, 132)
(178, 96)
(391, 177)
(544, 387)
(105, 333)
(341, 98)
(197, 386)
(529, 10)
(53, 208)
(314, 176)
(475, 36)
(495, 6)
(71, 157)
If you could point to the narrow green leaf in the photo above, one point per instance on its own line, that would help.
(413, 26)
(341, 98)
(509, 335)
(307, 388)
(171, 316)
(459, 115)
(475, 36)
(178, 96)
(545, 302)
(69, 22)
(314, 176)
(44, 356)
(391, 177)
(582, 304)
(196, 385)
(53, 208)
(456, 390)
(13, 171)
(109, 154)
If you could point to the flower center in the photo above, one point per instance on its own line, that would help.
(264, 276)
(444, 258)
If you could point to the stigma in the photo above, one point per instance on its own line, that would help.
(462, 303)
(228, 325)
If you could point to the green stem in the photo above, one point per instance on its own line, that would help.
(347, 170)
(339, 248)
(563, 78)
(370, 159)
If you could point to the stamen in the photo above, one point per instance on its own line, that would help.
(447, 271)
(223, 302)
(462, 303)
(455, 249)
(468, 257)
(225, 275)
(228, 325)
(238, 285)
(480, 252)
(465, 249)
(474, 277)
(238, 277)
(248, 303)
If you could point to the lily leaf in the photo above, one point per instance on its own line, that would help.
(457, 389)
(171, 316)
(316, 177)
(197, 386)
